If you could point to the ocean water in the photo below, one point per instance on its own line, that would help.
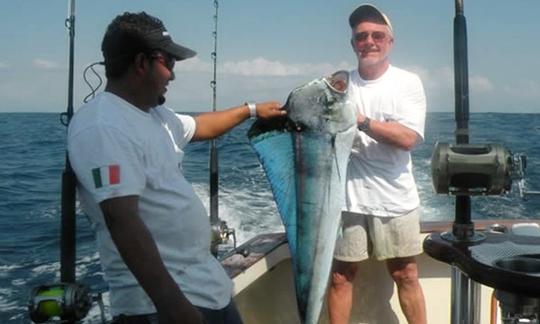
(32, 155)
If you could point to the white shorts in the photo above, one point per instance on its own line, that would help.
(389, 237)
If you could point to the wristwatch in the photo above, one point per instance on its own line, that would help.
(252, 109)
(364, 126)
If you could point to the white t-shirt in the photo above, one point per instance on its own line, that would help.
(118, 150)
(379, 176)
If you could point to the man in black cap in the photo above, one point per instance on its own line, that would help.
(382, 209)
(126, 149)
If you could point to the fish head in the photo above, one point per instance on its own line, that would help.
(322, 105)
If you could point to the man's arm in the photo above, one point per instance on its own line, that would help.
(140, 253)
(411, 108)
(214, 124)
(392, 132)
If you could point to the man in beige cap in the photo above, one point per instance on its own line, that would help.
(382, 199)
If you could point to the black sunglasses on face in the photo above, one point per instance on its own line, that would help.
(165, 59)
(377, 36)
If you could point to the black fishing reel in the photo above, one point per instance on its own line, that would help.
(63, 301)
(477, 169)
(222, 235)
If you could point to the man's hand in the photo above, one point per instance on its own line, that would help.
(213, 124)
(270, 109)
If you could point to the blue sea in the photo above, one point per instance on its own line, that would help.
(32, 156)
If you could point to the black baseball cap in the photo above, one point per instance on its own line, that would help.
(161, 40)
(368, 12)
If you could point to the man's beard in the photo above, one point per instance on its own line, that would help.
(161, 100)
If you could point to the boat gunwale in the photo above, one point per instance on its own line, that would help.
(237, 261)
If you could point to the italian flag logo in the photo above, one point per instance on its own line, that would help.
(107, 175)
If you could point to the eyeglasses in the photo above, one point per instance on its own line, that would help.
(167, 60)
(377, 36)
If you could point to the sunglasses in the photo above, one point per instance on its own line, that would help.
(377, 36)
(167, 60)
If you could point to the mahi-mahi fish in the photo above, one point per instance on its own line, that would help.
(305, 155)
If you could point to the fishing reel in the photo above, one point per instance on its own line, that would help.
(63, 301)
(221, 238)
(477, 169)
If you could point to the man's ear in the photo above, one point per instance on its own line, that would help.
(141, 63)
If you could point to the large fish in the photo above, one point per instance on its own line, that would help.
(305, 157)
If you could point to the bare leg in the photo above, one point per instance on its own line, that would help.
(404, 271)
(340, 294)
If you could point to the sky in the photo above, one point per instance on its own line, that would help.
(267, 48)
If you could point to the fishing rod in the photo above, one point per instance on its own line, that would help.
(461, 76)
(214, 176)
(68, 220)
(462, 170)
(66, 300)
(463, 289)
(220, 231)
(463, 227)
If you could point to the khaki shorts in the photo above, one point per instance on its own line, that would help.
(389, 237)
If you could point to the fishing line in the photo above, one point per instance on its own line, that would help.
(92, 94)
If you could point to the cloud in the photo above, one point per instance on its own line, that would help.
(421, 71)
(438, 78)
(485, 94)
(443, 78)
(262, 67)
(523, 88)
(193, 65)
(440, 81)
(259, 67)
(438, 86)
(45, 64)
(258, 79)
(480, 84)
